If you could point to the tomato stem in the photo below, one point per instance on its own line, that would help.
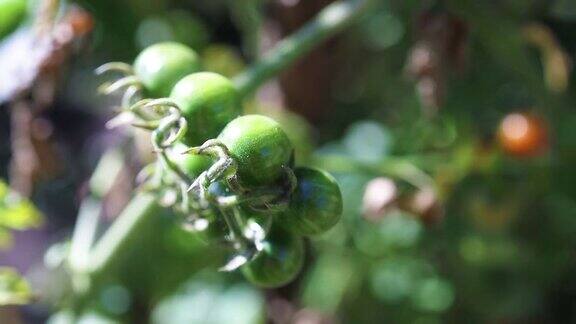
(110, 251)
(327, 23)
(110, 247)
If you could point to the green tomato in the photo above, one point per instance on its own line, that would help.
(160, 66)
(12, 12)
(315, 205)
(260, 147)
(191, 164)
(209, 101)
(280, 260)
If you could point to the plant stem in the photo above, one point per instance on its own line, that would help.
(114, 246)
(123, 231)
(327, 23)
(101, 182)
(84, 233)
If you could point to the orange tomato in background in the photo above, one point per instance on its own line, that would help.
(523, 135)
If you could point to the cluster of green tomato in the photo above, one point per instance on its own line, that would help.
(262, 152)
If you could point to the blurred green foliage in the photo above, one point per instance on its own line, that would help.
(16, 213)
(14, 290)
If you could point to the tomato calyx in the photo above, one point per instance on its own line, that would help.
(268, 197)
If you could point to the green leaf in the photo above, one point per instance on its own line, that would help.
(16, 212)
(20, 216)
(14, 290)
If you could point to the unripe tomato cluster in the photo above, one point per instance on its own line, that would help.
(243, 186)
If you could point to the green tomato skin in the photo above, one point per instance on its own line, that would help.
(279, 262)
(191, 164)
(12, 12)
(160, 66)
(208, 101)
(315, 205)
(260, 147)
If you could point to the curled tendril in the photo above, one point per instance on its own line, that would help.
(170, 130)
(129, 96)
(154, 109)
(122, 118)
(128, 82)
(123, 83)
(120, 67)
(148, 125)
(162, 106)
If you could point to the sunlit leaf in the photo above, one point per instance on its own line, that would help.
(15, 212)
(20, 215)
(14, 290)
